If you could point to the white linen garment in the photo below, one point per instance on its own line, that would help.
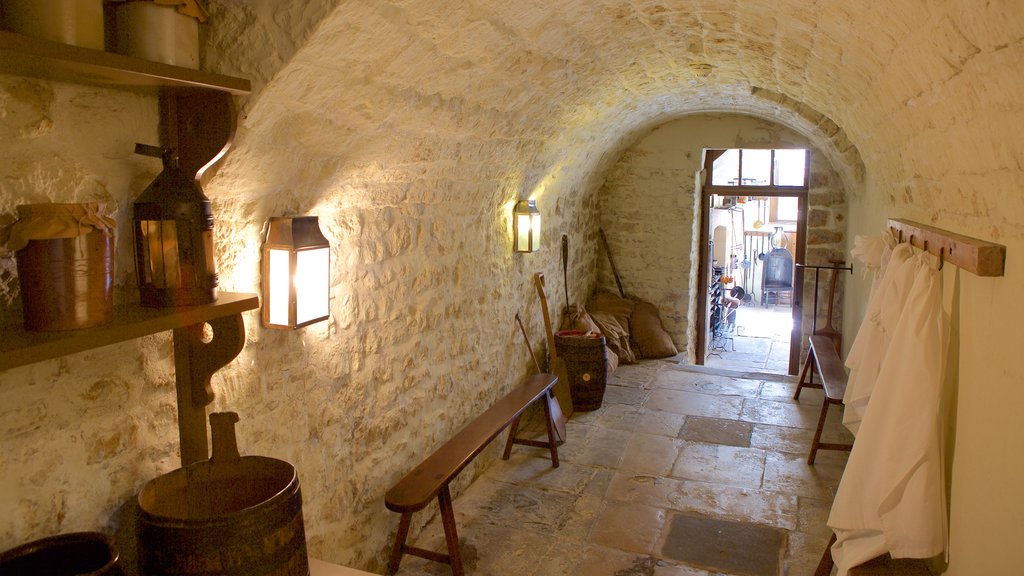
(891, 497)
(869, 346)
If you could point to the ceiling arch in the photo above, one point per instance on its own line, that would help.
(542, 83)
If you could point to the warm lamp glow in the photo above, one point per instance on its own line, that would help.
(526, 226)
(296, 273)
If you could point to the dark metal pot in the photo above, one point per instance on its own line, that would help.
(230, 514)
(72, 554)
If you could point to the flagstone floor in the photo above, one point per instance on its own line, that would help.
(668, 442)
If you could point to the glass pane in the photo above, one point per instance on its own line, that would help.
(279, 281)
(789, 167)
(725, 170)
(757, 168)
(786, 209)
(312, 284)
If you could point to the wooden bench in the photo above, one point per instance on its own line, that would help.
(823, 359)
(431, 478)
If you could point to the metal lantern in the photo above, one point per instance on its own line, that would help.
(296, 273)
(173, 228)
(526, 226)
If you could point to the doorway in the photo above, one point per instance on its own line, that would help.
(753, 220)
(752, 259)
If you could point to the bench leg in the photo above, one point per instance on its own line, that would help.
(398, 549)
(552, 445)
(825, 564)
(808, 364)
(451, 536)
(512, 431)
(817, 434)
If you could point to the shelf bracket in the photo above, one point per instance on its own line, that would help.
(199, 126)
(195, 362)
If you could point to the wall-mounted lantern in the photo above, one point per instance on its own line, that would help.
(296, 273)
(173, 232)
(526, 226)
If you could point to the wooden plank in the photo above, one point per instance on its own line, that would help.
(19, 347)
(830, 367)
(419, 487)
(979, 257)
(27, 56)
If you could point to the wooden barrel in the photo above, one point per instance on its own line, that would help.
(67, 283)
(72, 554)
(226, 515)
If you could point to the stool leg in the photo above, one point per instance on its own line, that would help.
(803, 374)
(451, 535)
(817, 433)
(396, 550)
(552, 445)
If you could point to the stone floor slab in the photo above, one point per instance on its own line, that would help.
(728, 465)
(694, 404)
(725, 546)
(717, 431)
(628, 527)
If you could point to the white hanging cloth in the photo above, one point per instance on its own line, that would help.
(868, 349)
(891, 497)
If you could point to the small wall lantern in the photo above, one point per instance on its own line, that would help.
(296, 273)
(526, 226)
(173, 230)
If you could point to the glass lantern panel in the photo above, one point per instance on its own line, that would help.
(522, 238)
(279, 271)
(312, 287)
(535, 232)
(160, 252)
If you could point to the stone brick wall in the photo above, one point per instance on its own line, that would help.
(650, 210)
(410, 127)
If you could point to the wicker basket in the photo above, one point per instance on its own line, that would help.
(586, 361)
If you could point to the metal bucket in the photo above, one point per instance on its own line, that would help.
(67, 283)
(230, 514)
(73, 554)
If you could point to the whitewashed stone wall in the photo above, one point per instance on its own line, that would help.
(650, 212)
(410, 127)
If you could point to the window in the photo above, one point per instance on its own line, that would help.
(783, 209)
(759, 167)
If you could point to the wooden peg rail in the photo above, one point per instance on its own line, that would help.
(976, 256)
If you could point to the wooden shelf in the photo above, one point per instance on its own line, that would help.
(19, 347)
(28, 56)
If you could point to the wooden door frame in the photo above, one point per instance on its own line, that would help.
(800, 252)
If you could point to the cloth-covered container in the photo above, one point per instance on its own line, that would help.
(65, 261)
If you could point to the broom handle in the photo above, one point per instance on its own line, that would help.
(527, 339)
(604, 241)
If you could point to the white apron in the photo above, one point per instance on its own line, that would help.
(875, 333)
(891, 497)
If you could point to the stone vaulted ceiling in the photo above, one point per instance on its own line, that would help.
(900, 96)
